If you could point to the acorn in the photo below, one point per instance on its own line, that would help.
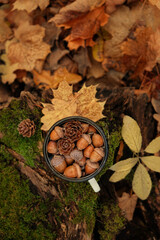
(91, 167)
(69, 160)
(76, 154)
(97, 140)
(59, 163)
(91, 129)
(73, 171)
(88, 150)
(83, 142)
(82, 161)
(85, 127)
(52, 147)
(57, 133)
(97, 155)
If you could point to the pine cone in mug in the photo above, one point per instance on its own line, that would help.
(26, 128)
(73, 130)
(65, 146)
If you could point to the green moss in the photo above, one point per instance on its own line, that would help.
(111, 221)
(9, 120)
(23, 215)
(82, 194)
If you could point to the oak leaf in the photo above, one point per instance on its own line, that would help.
(7, 70)
(89, 18)
(127, 204)
(30, 5)
(5, 31)
(46, 80)
(27, 47)
(66, 103)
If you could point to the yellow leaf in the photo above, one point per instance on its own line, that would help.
(46, 80)
(65, 103)
(124, 165)
(117, 176)
(141, 182)
(131, 134)
(30, 5)
(98, 50)
(152, 162)
(154, 146)
(7, 70)
(27, 47)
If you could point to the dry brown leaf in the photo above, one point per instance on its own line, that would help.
(7, 70)
(143, 52)
(46, 80)
(5, 31)
(30, 5)
(155, 2)
(111, 5)
(127, 204)
(85, 19)
(27, 47)
(82, 59)
(16, 17)
(76, 9)
(65, 104)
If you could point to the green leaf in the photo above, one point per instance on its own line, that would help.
(131, 134)
(152, 162)
(154, 146)
(141, 182)
(124, 165)
(117, 176)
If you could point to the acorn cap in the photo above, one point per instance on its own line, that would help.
(87, 138)
(100, 151)
(79, 172)
(92, 164)
(85, 127)
(59, 131)
(76, 154)
(57, 160)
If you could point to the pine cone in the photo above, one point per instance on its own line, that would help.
(26, 128)
(65, 146)
(73, 130)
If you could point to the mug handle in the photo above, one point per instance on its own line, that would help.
(94, 184)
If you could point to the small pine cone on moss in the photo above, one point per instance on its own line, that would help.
(73, 130)
(65, 146)
(26, 128)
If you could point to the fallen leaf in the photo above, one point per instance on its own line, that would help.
(7, 70)
(124, 165)
(52, 32)
(153, 146)
(156, 104)
(131, 134)
(5, 30)
(30, 5)
(65, 104)
(152, 162)
(127, 204)
(46, 80)
(27, 47)
(111, 5)
(98, 50)
(96, 71)
(85, 23)
(155, 2)
(141, 182)
(157, 118)
(16, 17)
(54, 57)
(117, 176)
(82, 59)
(69, 64)
(75, 9)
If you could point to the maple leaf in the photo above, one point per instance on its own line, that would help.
(27, 47)
(5, 31)
(86, 23)
(65, 104)
(127, 204)
(7, 70)
(45, 79)
(30, 5)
